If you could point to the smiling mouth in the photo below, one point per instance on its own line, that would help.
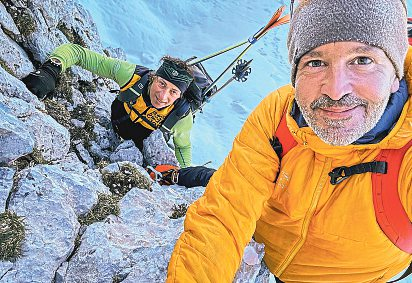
(339, 112)
(338, 109)
(160, 101)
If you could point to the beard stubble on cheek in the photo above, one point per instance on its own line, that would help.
(346, 130)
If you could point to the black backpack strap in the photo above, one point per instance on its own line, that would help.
(132, 93)
(407, 272)
(338, 174)
(283, 141)
(181, 109)
(140, 115)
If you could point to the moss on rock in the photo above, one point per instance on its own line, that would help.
(6, 68)
(58, 112)
(12, 233)
(86, 114)
(119, 184)
(124, 180)
(106, 205)
(64, 87)
(71, 34)
(22, 17)
(86, 86)
(178, 211)
(29, 160)
(83, 113)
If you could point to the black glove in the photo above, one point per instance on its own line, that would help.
(43, 81)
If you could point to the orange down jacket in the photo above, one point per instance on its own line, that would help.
(313, 231)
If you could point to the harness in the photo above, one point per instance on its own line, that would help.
(131, 92)
(389, 212)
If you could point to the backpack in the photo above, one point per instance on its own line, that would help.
(195, 93)
(389, 212)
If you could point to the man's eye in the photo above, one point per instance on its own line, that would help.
(175, 93)
(362, 61)
(315, 63)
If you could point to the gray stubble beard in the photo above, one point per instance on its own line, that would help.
(334, 134)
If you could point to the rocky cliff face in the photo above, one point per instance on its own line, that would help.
(62, 168)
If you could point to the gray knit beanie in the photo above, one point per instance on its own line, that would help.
(380, 23)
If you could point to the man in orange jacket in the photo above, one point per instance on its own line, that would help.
(318, 200)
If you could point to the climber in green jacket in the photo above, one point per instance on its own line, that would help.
(146, 99)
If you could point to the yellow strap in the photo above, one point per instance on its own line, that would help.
(134, 79)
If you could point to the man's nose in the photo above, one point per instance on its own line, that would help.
(337, 82)
(163, 94)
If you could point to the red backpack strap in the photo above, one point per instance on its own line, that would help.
(390, 214)
(284, 137)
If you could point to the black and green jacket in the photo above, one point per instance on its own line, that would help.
(122, 72)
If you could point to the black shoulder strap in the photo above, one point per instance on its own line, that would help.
(181, 109)
(135, 91)
(140, 115)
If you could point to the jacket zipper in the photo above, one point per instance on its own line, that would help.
(306, 221)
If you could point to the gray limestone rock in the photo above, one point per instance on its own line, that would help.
(84, 155)
(115, 52)
(103, 109)
(78, 123)
(6, 21)
(105, 250)
(127, 151)
(6, 267)
(6, 184)
(43, 40)
(13, 57)
(96, 150)
(77, 98)
(52, 139)
(139, 205)
(50, 200)
(142, 236)
(61, 273)
(105, 137)
(58, 22)
(16, 138)
(13, 87)
(71, 163)
(156, 151)
(150, 264)
(46, 203)
(80, 74)
(251, 264)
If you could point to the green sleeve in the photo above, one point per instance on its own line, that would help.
(181, 140)
(72, 54)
